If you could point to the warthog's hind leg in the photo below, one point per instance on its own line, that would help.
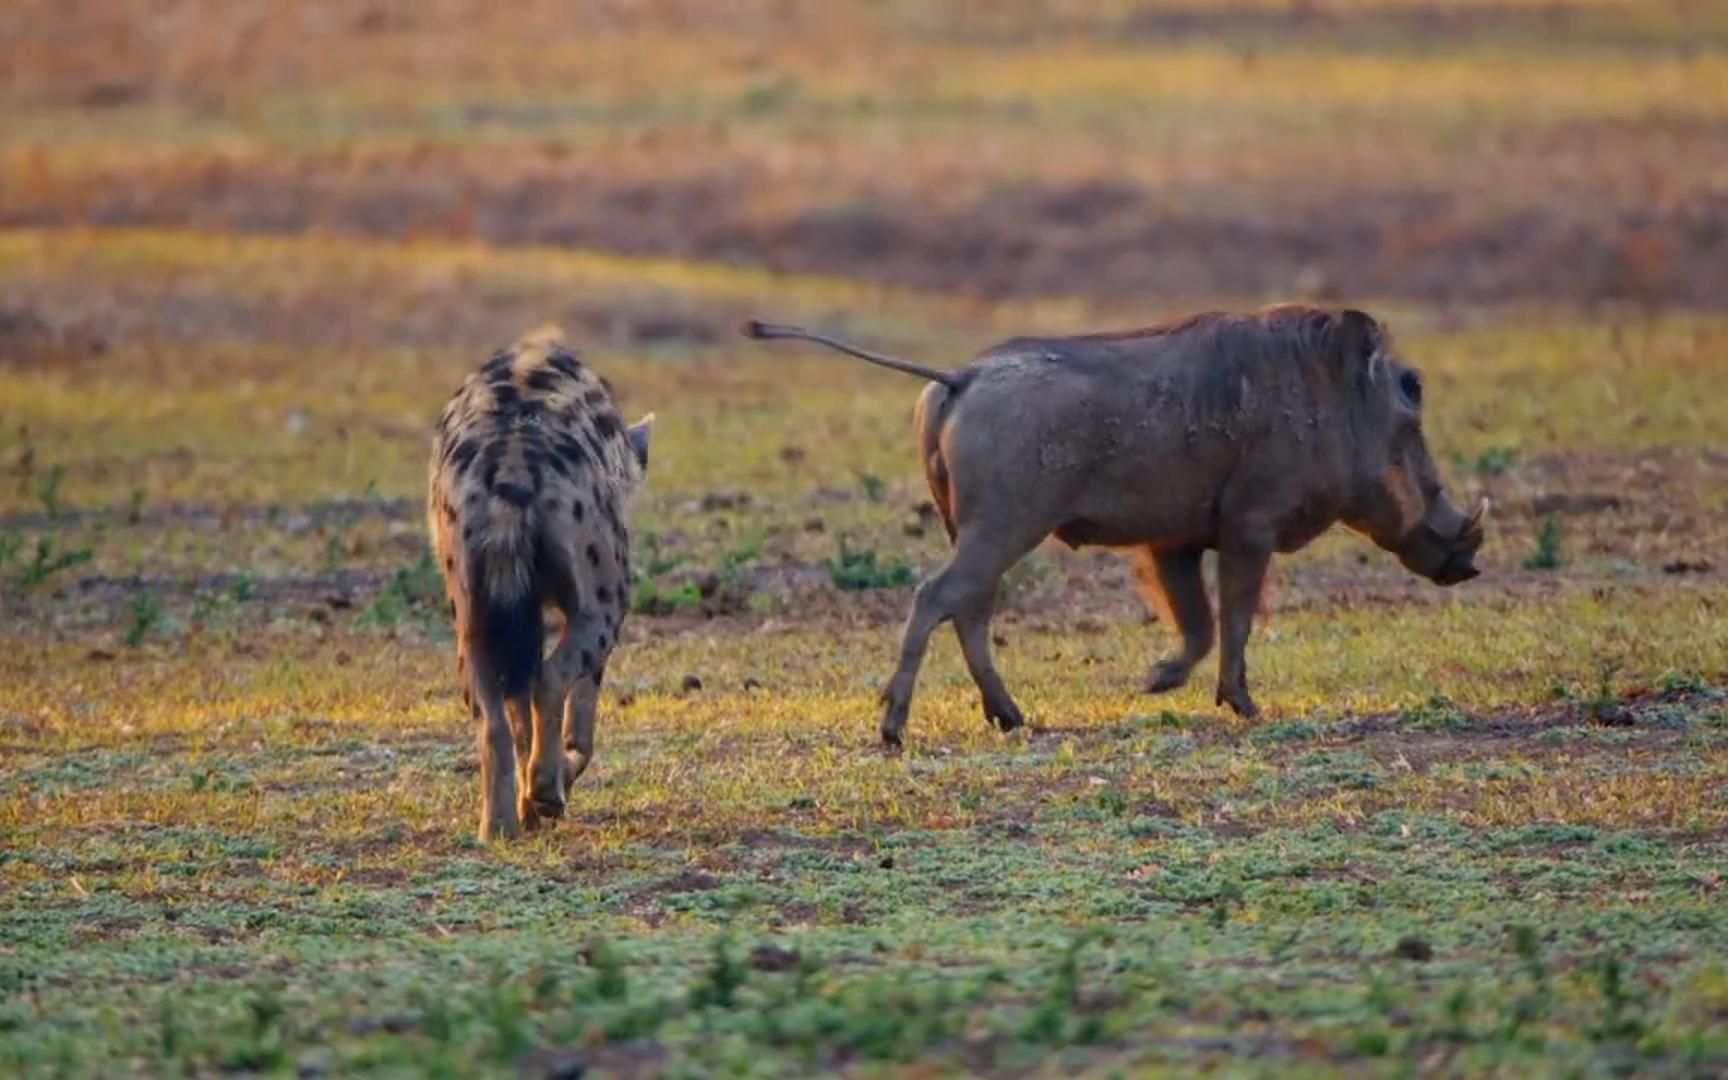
(1171, 582)
(972, 624)
(964, 589)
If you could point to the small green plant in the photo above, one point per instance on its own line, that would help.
(769, 93)
(649, 597)
(1061, 1016)
(11, 543)
(411, 590)
(1547, 555)
(718, 986)
(874, 488)
(1601, 703)
(658, 560)
(1286, 731)
(135, 507)
(243, 588)
(1494, 461)
(1112, 801)
(610, 982)
(745, 551)
(501, 1004)
(857, 569)
(145, 615)
(1619, 1018)
(1532, 1006)
(1438, 713)
(49, 492)
(1682, 682)
(171, 1034)
(46, 561)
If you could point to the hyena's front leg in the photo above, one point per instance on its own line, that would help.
(580, 709)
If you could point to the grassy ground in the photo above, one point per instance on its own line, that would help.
(1478, 832)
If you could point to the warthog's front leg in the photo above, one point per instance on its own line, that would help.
(1241, 575)
(1170, 581)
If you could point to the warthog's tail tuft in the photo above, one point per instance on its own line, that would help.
(766, 331)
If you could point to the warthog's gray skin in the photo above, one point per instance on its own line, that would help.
(1245, 434)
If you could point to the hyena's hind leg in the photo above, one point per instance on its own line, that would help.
(565, 704)
(522, 712)
(500, 817)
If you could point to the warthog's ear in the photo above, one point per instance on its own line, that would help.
(638, 433)
(1361, 345)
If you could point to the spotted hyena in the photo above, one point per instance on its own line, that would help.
(531, 472)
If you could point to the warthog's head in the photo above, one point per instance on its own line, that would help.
(1399, 501)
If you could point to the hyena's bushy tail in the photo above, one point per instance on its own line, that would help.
(505, 597)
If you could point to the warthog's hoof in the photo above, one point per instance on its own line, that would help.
(1005, 715)
(1239, 702)
(1167, 675)
(894, 717)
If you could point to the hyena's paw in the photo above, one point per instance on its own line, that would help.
(531, 814)
(503, 826)
(575, 764)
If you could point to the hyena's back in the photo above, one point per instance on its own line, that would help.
(531, 471)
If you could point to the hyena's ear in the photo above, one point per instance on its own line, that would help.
(638, 433)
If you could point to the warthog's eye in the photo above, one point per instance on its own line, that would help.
(1410, 385)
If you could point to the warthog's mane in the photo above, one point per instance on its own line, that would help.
(1235, 356)
(1285, 329)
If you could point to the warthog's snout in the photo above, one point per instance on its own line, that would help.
(1458, 567)
(1443, 559)
(548, 809)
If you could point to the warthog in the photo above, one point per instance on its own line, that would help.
(1243, 434)
(531, 471)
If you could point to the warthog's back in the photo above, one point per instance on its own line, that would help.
(1136, 432)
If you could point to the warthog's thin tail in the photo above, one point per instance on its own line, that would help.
(763, 331)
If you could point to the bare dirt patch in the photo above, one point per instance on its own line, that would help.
(1102, 238)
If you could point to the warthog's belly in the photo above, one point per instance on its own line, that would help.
(1084, 532)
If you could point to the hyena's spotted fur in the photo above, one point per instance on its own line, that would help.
(531, 472)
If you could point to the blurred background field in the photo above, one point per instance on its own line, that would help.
(247, 250)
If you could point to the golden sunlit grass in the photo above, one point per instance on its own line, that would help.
(676, 766)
